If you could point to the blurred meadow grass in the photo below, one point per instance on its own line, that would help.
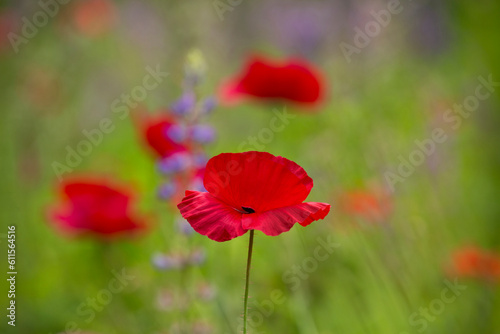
(391, 94)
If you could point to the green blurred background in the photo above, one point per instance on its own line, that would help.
(391, 93)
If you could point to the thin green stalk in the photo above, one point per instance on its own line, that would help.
(247, 282)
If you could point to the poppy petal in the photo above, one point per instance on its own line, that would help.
(98, 199)
(105, 226)
(277, 221)
(256, 180)
(294, 80)
(210, 216)
(95, 206)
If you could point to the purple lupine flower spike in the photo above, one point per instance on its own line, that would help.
(177, 133)
(166, 262)
(184, 227)
(202, 133)
(208, 105)
(176, 163)
(166, 191)
(184, 105)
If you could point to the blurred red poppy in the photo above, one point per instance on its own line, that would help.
(251, 191)
(94, 17)
(473, 262)
(163, 135)
(369, 205)
(294, 80)
(95, 207)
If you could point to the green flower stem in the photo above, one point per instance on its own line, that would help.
(247, 282)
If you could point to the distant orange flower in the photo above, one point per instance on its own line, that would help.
(369, 205)
(41, 87)
(94, 17)
(473, 262)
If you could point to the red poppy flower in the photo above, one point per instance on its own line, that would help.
(163, 135)
(374, 206)
(474, 262)
(251, 191)
(294, 80)
(94, 17)
(95, 207)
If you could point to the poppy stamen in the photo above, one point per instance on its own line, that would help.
(248, 210)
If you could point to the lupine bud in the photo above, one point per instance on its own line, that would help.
(168, 262)
(200, 160)
(184, 227)
(197, 185)
(208, 105)
(175, 163)
(185, 104)
(197, 257)
(206, 291)
(194, 68)
(166, 300)
(167, 190)
(177, 133)
(202, 133)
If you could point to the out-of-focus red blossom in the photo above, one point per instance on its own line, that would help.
(8, 24)
(155, 129)
(95, 207)
(293, 80)
(369, 205)
(251, 191)
(94, 17)
(474, 262)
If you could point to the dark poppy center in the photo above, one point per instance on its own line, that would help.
(248, 210)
